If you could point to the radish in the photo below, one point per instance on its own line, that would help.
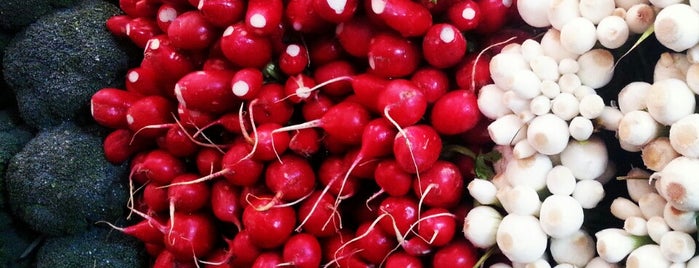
(264, 16)
(155, 198)
(417, 148)
(354, 35)
(245, 48)
(167, 62)
(402, 212)
(291, 179)
(338, 180)
(141, 29)
(433, 82)
(166, 259)
(337, 252)
(177, 142)
(443, 45)
(441, 185)
(302, 250)
(333, 75)
(465, 15)
(390, 55)
(402, 259)
(116, 25)
(246, 83)
(392, 179)
(320, 218)
(402, 102)
(497, 17)
(437, 226)
(303, 18)
(416, 246)
(335, 11)
(269, 228)
(120, 145)
(159, 166)
(473, 72)
(225, 204)
(143, 81)
(316, 106)
(369, 236)
(458, 253)
(270, 107)
(294, 59)
(206, 91)
(408, 18)
(143, 230)
(109, 106)
(455, 112)
(146, 114)
(324, 49)
(190, 30)
(269, 259)
(367, 87)
(138, 8)
(221, 13)
(305, 142)
(208, 160)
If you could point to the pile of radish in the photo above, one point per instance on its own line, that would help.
(401, 133)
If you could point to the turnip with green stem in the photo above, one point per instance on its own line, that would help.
(638, 183)
(520, 200)
(490, 102)
(507, 130)
(523, 149)
(562, 11)
(533, 12)
(609, 118)
(647, 256)
(692, 78)
(656, 227)
(614, 244)
(565, 106)
(591, 105)
(623, 208)
(657, 153)
(560, 180)
(580, 128)
(483, 191)
(596, 10)
(530, 172)
(551, 42)
(636, 225)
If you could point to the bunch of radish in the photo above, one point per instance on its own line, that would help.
(304, 132)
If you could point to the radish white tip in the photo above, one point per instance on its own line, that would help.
(258, 21)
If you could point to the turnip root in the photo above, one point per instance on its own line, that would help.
(677, 183)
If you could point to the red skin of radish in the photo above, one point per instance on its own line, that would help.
(208, 160)
(443, 45)
(169, 63)
(222, 13)
(402, 260)
(437, 8)
(367, 87)
(270, 259)
(331, 70)
(188, 198)
(458, 253)
(150, 111)
(474, 72)
(264, 16)
(380, 243)
(316, 106)
(190, 30)
(206, 91)
(237, 169)
(176, 142)
(432, 82)
(497, 15)
(498, 39)
(219, 63)
(167, 13)
(154, 249)
(243, 250)
(116, 25)
(291, 179)
(298, 87)
(354, 35)
(330, 11)
(425, 145)
(160, 167)
(377, 140)
(392, 178)
(409, 18)
(120, 145)
(303, 18)
(447, 189)
(141, 29)
(403, 211)
(466, 165)
(144, 81)
(442, 228)
(455, 112)
(416, 246)
(324, 210)
(293, 59)
(269, 107)
(403, 101)
(166, 259)
(138, 8)
(189, 235)
(225, 203)
(478, 135)
(156, 198)
(189, 117)
(346, 121)
(270, 228)
(144, 231)
(324, 49)
(246, 83)
(302, 250)
(392, 56)
(245, 48)
(270, 145)
(305, 142)
(365, 166)
(109, 106)
(331, 172)
(342, 256)
(465, 15)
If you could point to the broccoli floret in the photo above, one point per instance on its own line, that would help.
(57, 63)
(13, 136)
(14, 241)
(60, 183)
(16, 14)
(97, 247)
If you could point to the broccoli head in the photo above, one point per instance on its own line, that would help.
(12, 138)
(16, 14)
(57, 63)
(96, 247)
(60, 183)
(14, 241)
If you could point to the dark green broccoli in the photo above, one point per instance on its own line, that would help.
(13, 136)
(60, 183)
(97, 247)
(14, 241)
(57, 63)
(16, 14)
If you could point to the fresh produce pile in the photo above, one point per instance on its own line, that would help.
(389, 133)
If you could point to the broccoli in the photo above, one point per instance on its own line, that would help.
(14, 241)
(96, 247)
(60, 183)
(17, 14)
(13, 136)
(57, 63)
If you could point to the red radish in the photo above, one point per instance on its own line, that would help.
(440, 186)
(246, 83)
(319, 215)
(143, 230)
(243, 250)
(393, 56)
(237, 166)
(458, 253)
(155, 198)
(417, 148)
(138, 8)
(364, 168)
(245, 48)
(354, 35)
(208, 160)
(225, 203)
(299, 88)
(302, 251)
(144, 81)
(324, 49)
(264, 16)
(194, 118)
(154, 249)
(465, 15)
(231, 122)
(392, 178)
(369, 236)
(190, 235)
(305, 142)
(344, 121)
(437, 226)
(166, 14)
(270, 228)
(291, 179)
(455, 112)
(270, 259)
(166, 259)
(109, 106)
(402, 102)
(403, 213)
(159, 166)
(367, 87)
(505, 36)
(190, 30)
(409, 18)
(145, 116)
(316, 106)
(333, 76)
(474, 71)
(187, 198)
(333, 173)
(120, 145)
(294, 59)
(336, 251)
(168, 62)
(268, 144)
(303, 18)
(416, 246)
(432, 82)
(335, 11)
(216, 62)
(443, 45)
(497, 15)
(117, 25)
(206, 91)
(141, 29)
(177, 142)
(402, 260)
(437, 8)
(270, 107)
(222, 13)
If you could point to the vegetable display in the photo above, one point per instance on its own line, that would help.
(357, 133)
